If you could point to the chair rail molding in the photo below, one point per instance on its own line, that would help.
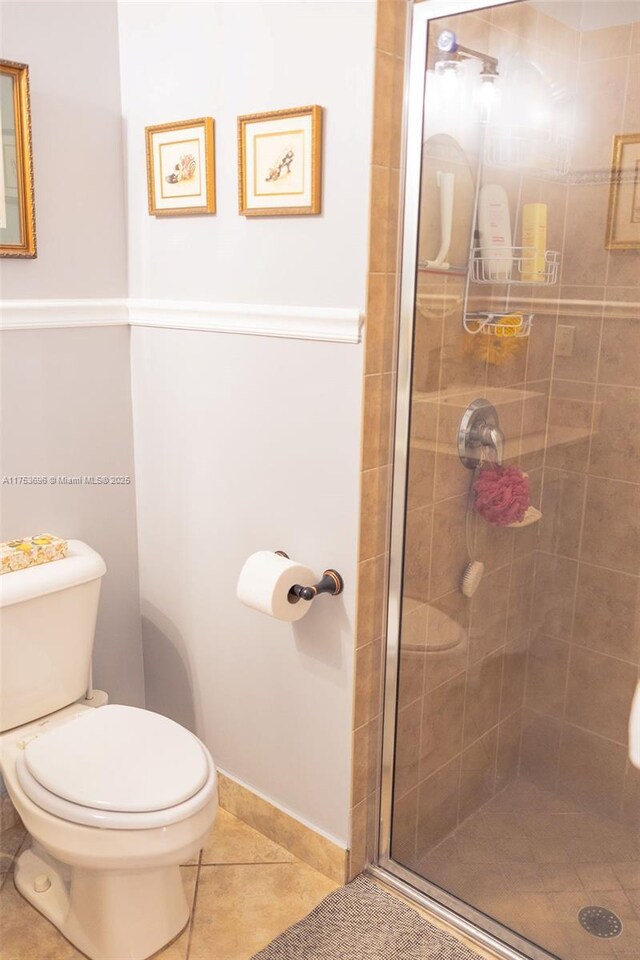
(334, 324)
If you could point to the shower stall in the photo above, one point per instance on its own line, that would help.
(510, 801)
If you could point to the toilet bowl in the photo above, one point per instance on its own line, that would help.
(115, 798)
(109, 830)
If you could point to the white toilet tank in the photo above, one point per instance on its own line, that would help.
(47, 622)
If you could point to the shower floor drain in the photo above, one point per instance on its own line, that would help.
(600, 922)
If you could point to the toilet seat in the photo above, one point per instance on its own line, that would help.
(117, 768)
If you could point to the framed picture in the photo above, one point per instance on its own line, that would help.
(181, 168)
(17, 206)
(623, 222)
(280, 162)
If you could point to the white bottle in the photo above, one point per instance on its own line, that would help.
(494, 226)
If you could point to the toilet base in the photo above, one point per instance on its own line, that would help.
(107, 914)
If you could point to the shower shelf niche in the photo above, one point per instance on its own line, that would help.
(525, 261)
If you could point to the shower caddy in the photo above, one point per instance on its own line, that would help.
(508, 148)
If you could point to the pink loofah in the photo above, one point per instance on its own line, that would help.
(502, 495)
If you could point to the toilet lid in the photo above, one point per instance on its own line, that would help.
(119, 758)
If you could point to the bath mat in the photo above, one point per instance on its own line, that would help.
(363, 922)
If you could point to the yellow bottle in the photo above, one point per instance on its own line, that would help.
(534, 242)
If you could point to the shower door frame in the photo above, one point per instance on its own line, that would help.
(479, 927)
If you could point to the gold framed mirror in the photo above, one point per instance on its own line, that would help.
(17, 207)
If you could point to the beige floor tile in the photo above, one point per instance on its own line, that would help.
(233, 841)
(10, 843)
(241, 908)
(26, 935)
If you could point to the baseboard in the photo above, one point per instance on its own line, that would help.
(305, 843)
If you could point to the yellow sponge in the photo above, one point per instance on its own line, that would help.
(18, 554)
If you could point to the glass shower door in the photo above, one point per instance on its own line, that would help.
(509, 795)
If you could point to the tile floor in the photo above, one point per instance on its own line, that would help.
(245, 890)
(532, 860)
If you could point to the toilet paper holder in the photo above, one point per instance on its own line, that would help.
(331, 583)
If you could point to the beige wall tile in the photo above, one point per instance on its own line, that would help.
(404, 829)
(478, 774)
(449, 545)
(441, 731)
(582, 364)
(605, 43)
(368, 676)
(562, 512)
(417, 553)
(508, 758)
(407, 754)
(375, 322)
(611, 535)
(420, 483)
(386, 25)
(540, 748)
(383, 109)
(373, 512)
(585, 258)
(482, 697)
(599, 109)
(608, 612)
(371, 599)
(553, 595)
(376, 426)
(631, 812)
(447, 620)
(437, 806)
(489, 607)
(514, 675)
(620, 358)
(615, 447)
(632, 104)
(547, 675)
(366, 747)
(599, 693)
(591, 770)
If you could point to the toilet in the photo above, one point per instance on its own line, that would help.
(115, 798)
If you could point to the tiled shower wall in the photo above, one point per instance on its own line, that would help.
(461, 709)
(379, 378)
(559, 601)
(584, 657)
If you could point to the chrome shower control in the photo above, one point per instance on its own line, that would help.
(480, 430)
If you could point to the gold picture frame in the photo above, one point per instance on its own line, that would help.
(280, 163)
(623, 220)
(181, 172)
(17, 202)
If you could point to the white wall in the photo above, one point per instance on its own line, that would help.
(72, 52)
(66, 393)
(182, 60)
(66, 404)
(244, 442)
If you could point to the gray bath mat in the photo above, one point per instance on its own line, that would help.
(363, 922)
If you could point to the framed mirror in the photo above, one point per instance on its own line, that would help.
(17, 208)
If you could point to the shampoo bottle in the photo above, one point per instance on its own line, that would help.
(494, 224)
(534, 242)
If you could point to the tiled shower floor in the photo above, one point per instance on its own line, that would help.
(532, 860)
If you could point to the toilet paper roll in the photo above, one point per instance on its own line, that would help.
(265, 581)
